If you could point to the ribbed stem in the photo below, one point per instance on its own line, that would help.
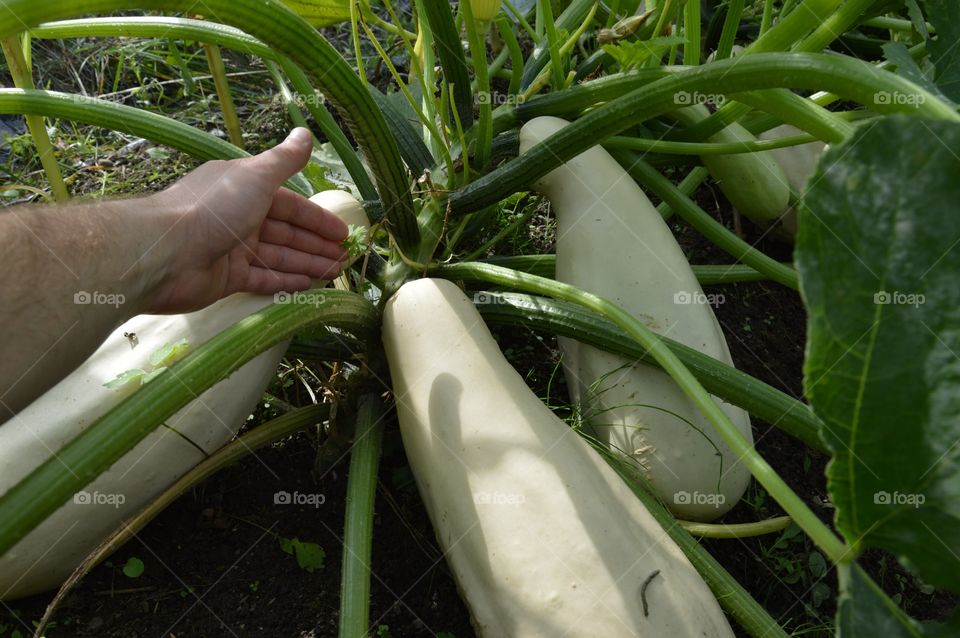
(219, 73)
(358, 530)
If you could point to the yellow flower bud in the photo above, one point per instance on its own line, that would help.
(485, 10)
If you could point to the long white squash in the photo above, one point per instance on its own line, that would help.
(612, 242)
(46, 556)
(542, 536)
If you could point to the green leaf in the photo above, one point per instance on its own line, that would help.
(631, 55)
(126, 377)
(896, 53)
(321, 13)
(879, 260)
(864, 610)
(310, 556)
(133, 568)
(944, 15)
(356, 242)
(169, 353)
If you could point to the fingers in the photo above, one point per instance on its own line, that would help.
(299, 211)
(285, 234)
(287, 158)
(284, 259)
(263, 281)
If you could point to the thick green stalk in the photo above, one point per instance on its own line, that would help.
(710, 228)
(328, 126)
(767, 20)
(691, 31)
(806, 115)
(706, 274)
(790, 29)
(505, 29)
(265, 434)
(152, 126)
(358, 530)
(688, 186)
(704, 148)
(452, 60)
(567, 21)
(280, 28)
(738, 388)
(822, 536)
(737, 530)
(835, 25)
(219, 73)
(545, 8)
(730, 25)
(100, 445)
(23, 79)
(856, 80)
(483, 139)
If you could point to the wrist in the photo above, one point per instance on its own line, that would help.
(161, 225)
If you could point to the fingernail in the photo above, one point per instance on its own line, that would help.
(299, 135)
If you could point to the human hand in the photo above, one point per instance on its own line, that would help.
(234, 228)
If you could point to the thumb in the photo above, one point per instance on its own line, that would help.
(288, 158)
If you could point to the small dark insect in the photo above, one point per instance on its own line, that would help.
(132, 338)
(643, 592)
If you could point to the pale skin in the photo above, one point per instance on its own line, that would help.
(227, 227)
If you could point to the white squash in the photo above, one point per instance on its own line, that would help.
(542, 536)
(799, 163)
(46, 556)
(612, 242)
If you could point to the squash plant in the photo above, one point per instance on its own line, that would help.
(876, 263)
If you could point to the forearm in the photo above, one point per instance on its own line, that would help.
(71, 275)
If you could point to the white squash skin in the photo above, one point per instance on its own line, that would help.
(799, 163)
(612, 242)
(47, 556)
(564, 547)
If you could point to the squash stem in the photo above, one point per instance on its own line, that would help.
(229, 109)
(793, 505)
(737, 530)
(358, 530)
(23, 79)
(478, 50)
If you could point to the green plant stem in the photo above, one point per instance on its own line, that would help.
(822, 536)
(358, 529)
(730, 25)
(288, 98)
(688, 186)
(893, 24)
(836, 24)
(428, 76)
(505, 29)
(152, 126)
(483, 139)
(767, 20)
(706, 274)
(738, 388)
(704, 148)
(691, 31)
(856, 80)
(105, 441)
(737, 530)
(496, 239)
(265, 434)
(452, 59)
(229, 109)
(710, 228)
(545, 7)
(328, 126)
(791, 28)
(23, 79)
(522, 21)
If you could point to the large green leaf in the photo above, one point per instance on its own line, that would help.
(879, 261)
(321, 13)
(944, 51)
(864, 611)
